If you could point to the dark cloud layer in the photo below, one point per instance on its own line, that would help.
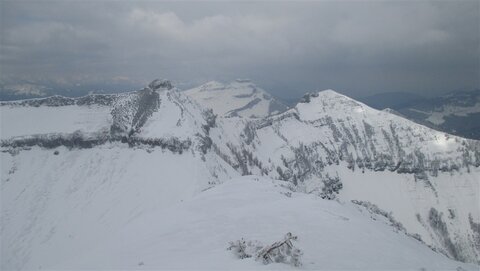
(289, 48)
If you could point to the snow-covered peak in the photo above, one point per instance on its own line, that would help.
(330, 92)
(314, 106)
(333, 96)
(238, 98)
(158, 111)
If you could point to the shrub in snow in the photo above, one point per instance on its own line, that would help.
(307, 97)
(204, 143)
(244, 249)
(76, 139)
(331, 187)
(239, 248)
(374, 209)
(249, 133)
(435, 219)
(475, 229)
(279, 252)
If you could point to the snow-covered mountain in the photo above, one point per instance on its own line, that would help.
(142, 179)
(74, 173)
(238, 98)
(332, 144)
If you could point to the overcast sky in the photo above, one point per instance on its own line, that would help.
(289, 48)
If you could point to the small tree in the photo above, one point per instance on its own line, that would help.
(239, 248)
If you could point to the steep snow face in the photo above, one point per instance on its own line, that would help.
(239, 98)
(194, 234)
(330, 144)
(158, 111)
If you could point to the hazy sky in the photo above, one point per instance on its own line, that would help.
(288, 48)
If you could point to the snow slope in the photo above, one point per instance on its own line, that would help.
(55, 207)
(238, 98)
(331, 235)
(156, 224)
(108, 192)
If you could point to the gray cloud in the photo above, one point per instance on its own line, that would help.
(358, 48)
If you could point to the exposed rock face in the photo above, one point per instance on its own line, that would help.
(158, 84)
(131, 112)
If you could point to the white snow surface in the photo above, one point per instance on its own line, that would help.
(163, 221)
(333, 125)
(56, 207)
(238, 98)
(116, 206)
(18, 121)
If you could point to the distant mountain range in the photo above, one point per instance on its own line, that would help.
(457, 113)
(30, 90)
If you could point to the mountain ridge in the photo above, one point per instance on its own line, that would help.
(328, 145)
